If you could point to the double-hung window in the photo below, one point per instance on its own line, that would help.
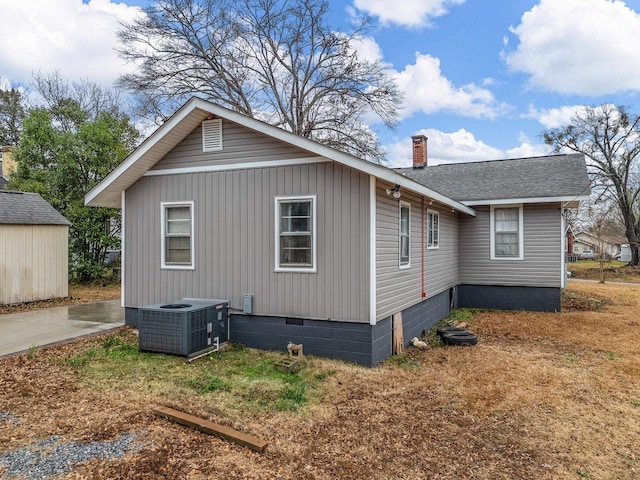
(433, 229)
(506, 233)
(177, 235)
(404, 237)
(296, 234)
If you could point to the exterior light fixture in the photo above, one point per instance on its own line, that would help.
(395, 191)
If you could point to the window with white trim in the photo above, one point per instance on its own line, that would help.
(296, 234)
(433, 229)
(404, 234)
(177, 235)
(507, 233)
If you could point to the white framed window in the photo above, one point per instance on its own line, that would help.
(177, 235)
(507, 236)
(404, 235)
(212, 135)
(433, 229)
(296, 238)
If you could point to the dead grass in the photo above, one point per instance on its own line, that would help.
(615, 271)
(78, 294)
(544, 396)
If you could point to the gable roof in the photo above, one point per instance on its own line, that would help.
(23, 208)
(604, 238)
(554, 178)
(108, 192)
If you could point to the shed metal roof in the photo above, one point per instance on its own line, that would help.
(23, 208)
(539, 179)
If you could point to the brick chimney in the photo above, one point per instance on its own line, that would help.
(419, 151)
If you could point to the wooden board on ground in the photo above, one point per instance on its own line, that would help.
(211, 428)
(398, 336)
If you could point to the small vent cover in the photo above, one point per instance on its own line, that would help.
(212, 135)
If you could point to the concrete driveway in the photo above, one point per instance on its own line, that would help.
(22, 331)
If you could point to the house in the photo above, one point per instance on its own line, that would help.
(34, 240)
(315, 246)
(569, 238)
(588, 245)
(7, 165)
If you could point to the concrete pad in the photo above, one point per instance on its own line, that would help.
(22, 331)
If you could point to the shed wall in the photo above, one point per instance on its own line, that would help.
(543, 244)
(34, 262)
(235, 241)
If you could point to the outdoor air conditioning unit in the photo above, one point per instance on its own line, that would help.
(183, 327)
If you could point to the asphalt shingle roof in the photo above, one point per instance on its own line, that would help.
(538, 177)
(22, 208)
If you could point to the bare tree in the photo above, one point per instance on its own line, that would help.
(603, 226)
(275, 60)
(66, 99)
(610, 137)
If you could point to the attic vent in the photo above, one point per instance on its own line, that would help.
(212, 135)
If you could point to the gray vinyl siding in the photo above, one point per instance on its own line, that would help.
(441, 264)
(398, 288)
(240, 145)
(235, 241)
(541, 266)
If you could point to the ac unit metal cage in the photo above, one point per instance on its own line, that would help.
(183, 327)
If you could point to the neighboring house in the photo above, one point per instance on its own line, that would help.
(34, 254)
(594, 245)
(7, 165)
(569, 237)
(330, 247)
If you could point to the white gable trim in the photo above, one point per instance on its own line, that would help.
(235, 166)
(107, 192)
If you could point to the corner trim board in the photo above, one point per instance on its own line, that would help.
(372, 251)
(123, 263)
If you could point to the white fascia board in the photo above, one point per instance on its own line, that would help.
(508, 201)
(141, 151)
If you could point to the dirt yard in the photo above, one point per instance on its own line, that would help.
(542, 396)
(614, 271)
(77, 294)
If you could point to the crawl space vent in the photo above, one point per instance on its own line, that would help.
(212, 135)
(183, 327)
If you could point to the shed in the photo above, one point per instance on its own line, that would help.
(34, 249)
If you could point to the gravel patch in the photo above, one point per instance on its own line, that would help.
(51, 457)
(9, 418)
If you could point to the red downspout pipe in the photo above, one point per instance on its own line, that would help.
(424, 293)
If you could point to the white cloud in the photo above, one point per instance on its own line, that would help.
(457, 147)
(412, 13)
(586, 47)
(554, 117)
(367, 49)
(76, 38)
(428, 91)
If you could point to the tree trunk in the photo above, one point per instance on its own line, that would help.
(630, 232)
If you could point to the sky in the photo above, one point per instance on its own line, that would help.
(482, 79)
